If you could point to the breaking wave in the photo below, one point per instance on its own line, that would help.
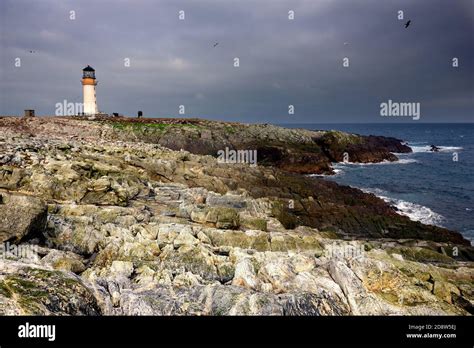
(400, 161)
(415, 212)
(336, 172)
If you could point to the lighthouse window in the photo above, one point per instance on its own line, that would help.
(89, 74)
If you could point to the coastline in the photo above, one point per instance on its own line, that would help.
(142, 218)
(436, 183)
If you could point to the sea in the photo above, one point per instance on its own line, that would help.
(435, 188)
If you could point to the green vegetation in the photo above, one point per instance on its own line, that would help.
(339, 140)
(230, 129)
(253, 223)
(5, 290)
(281, 213)
(418, 254)
(139, 126)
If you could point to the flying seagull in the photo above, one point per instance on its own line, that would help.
(216, 44)
(407, 23)
(32, 51)
(346, 43)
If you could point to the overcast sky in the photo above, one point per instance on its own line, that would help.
(282, 62)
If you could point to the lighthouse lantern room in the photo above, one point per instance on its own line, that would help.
(88, 87)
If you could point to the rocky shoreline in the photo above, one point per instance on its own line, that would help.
(128, 216)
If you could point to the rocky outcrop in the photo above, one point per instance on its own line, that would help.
(135, 228)
(101, 172)
(360, 149)
(21, 216)
(192, 274)
(26, 289)
(295, 150)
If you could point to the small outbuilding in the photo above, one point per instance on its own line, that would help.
(29, 113)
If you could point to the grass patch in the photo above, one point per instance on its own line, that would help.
(5, 290)
(230, 130)
(139, 126)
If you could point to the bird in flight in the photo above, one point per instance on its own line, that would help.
(216, 44)
(346, 43)
(407, 23)
(32, 51)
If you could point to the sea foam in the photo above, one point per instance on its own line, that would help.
(385, 162)
(415, 212)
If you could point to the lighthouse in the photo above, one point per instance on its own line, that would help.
(88, 88)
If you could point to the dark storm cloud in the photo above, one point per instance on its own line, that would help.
(282, 62)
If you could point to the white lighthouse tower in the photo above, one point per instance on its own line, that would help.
(88, 87)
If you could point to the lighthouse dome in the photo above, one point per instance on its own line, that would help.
(88, 68)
